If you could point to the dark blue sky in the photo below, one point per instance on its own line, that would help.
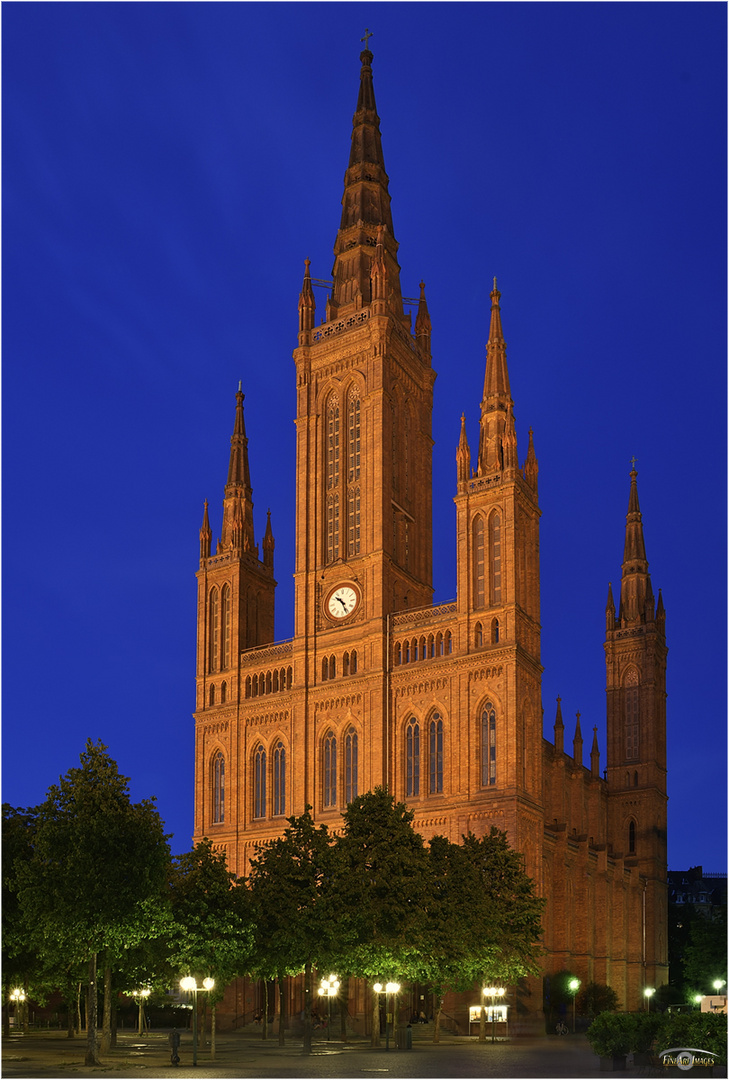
(168, 168)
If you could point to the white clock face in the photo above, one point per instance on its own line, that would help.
(342, 602)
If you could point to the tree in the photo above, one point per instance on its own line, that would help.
(381, 881)
(290, 885)
(211, 932)
(595, 998)
(97, 858)
(705, 955)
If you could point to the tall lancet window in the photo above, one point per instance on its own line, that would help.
(214, 630)
(259, 783)
(632, 716)
(479, 565)
(412, 758)
(279, 779)
(436, 755)
(495, 558)
(330, 769)
(488, 745)
(225, 613)
(218, 788)
(354, 443)
(332, 478)
(351, 766)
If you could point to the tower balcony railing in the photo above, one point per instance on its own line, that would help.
(260, 654)
(416, 616)
(338, 326)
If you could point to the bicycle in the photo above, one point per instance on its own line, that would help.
(561, 1028)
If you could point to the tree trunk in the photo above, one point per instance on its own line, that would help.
(438, 1011)
(482, 1020)
(114, 1022)
(106, 1026)
(307, 1008)
(375, 1037)
(79, 1026)
(212, 1033)
(6, 1021)
(92, 1046)
(264, 1018)
(282, 1019)
(343, 1008)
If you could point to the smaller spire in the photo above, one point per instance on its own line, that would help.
(463, 457)
(559, 728)
(531, 466)
(496, 403)
(422, 324)
(307, 306)
(206, 535)
(577, 743)
(610, 609)
(268, 542)
(594, 755)
(378, 275)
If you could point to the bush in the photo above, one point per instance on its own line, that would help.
(696, 1030)
(612, 1034)
(647, 1026)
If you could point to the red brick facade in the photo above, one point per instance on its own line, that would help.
(378, 687)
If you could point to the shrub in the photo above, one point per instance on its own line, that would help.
(612, 1034)
(647, 1026)
(696, 1030)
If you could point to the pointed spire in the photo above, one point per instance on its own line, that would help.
(307, 306)
(268, 542)
(610, 609)
(594, 755)
(365, 206)
(559, 728)
(206, 535)
(636, 594)
(498, 433)
(422, 324)
(238, 502)
(531, 466)
(577, 743)
(463, 457)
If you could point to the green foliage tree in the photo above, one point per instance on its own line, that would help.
(705, 955)
(595, 998)
(291, 894)
(97, 858)
(381, 882)
(210, 933)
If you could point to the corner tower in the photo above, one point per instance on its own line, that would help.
(635, 652)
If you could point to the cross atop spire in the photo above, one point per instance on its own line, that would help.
(367, 35)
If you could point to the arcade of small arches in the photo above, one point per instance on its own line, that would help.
(329, 665)
(269, 682)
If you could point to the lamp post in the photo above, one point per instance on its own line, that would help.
(697, 999)
(493, 992)
(574, 986)
(189, 983)
(18, 996)
(718, 983)
(328, 988)
(389, 988)
(141, 996)
(648, 994)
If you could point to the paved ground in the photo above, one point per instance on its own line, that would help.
(52, 1055)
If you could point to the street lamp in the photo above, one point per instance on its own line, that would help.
(648, 994)
(718, 983)
(389, 988)
(574, 986)
(189, 983)
(141, 996)
(328, 989)
(18, 996)
(493, 992)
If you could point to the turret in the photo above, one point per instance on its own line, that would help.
(463, 457)
(577, 743)
(559, 727)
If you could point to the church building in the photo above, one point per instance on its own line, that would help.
(441, 704)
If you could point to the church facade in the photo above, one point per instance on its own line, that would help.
(441, 704)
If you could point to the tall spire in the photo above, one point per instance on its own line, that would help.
(636, 593)
(238, 502)
(497, 447)
(365, 207)
(463, 457)
(307, 306)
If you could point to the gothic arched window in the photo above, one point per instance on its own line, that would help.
(223, 693)
(494, 631)
(211, 695)
(632, 716)
(279, 779)
(213, 630)
(478, 635)
(259, 783)
(225, 618)
(412, 758)
(332, 478)
(353, 662)
(436, 754)
(631, 838)
(488, 745)
(330, 770)
(218, 788)
(479, 570)
(353, 472)
(495, 558)
(351, 764)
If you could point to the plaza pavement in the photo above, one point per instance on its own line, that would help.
(244, 1056)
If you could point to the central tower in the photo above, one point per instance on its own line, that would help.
(364, 404)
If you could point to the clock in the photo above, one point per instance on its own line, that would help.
(341, 602)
